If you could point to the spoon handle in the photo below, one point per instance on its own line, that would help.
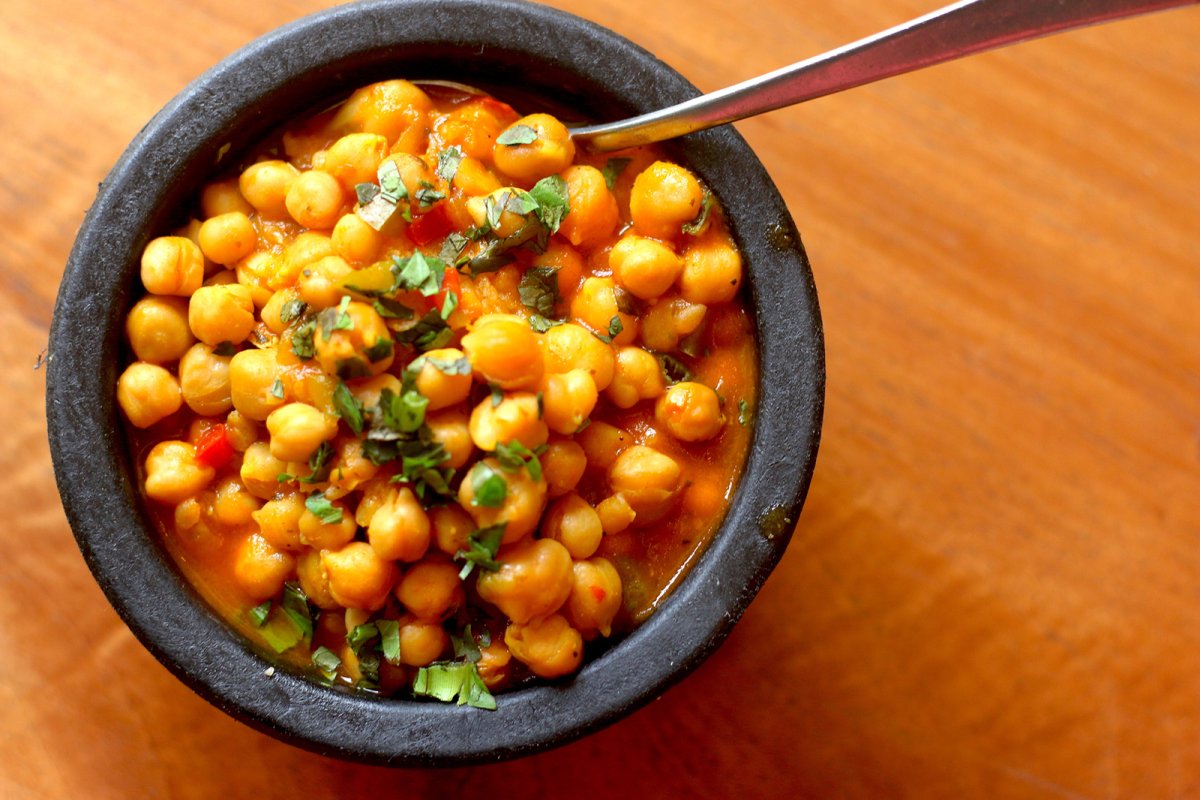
(959, 29)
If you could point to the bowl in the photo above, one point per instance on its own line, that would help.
(528, 55)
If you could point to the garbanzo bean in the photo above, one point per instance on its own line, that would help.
(260, 569)
(597, 307)
(223, 197)
(504, 351)
(572, 346)
(353, 159)
(232, 504)
(265, 186)
(158, 330)
(690, 411)
(595, 596)
(221, 313)
(204, 380)
(712, 270)
(550, 647)
(389, 108)
(352, 468)
(646, 479)
(321, 535)
(297, 429)
(314, 579)
(279, 521)
(516, 418)
(421, 642)
(315, 200)
(227, 238)
(645, 267)
(519, 511)
(358, 577)
(668, 321)
(451, 429)
(615, 514)
(253, 387)
(575, 524)
(568, 399)
(172, 265)
(637, 377)
(451, 528)
(400, 529)
(147, 393)
(563, 464)
(442, 379)
(594, 214)
(353, 342)
(320, 283)
(665, 197)
(533, 581)
(565, 260)
(538, 145)
(173, 474)
(354, 240)
(431, 590)
(260, 470)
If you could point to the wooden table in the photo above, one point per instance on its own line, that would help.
(994, 590)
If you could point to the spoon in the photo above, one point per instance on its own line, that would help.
(959, 29)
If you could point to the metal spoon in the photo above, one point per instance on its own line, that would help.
(959, 29)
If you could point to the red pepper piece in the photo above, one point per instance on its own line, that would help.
(214, 448)
(431, 226)
(450, 283)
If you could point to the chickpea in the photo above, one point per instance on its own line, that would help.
(272, 310)
(320, 535)
(550, 647)
(594, 215)
(222, 313)
(443, 388)
(665, 197)
(668, 321)
(354, 158)
(523, 502)
(204, 380)
(504, 350)
(568, 400)
(400, 529)
(375, 493)
(256, 272)
(260, 569)
(260, 471)
(645, 267)
(320, 283)
(352, 468)
(515, 418)
(473, 126)
(572, 346)
(574, 523)
(307, 248)
(241, 430)
(158, 330)
(194, 526)
(358, 577)
(415, 174)
(369, 391)
(314, 580)
(508, 222)
(595, 596)
(474, 179)
(647, 479)
(388, 108)
(595, 305)
(638, 377)
(227, 238)
(222, 197)
(297, 429)
(265, 186)
(563, 464)
(355, 241)
(690, 411)
(602, 443)
(253, 375)
(147, 394)
(233, 506)
(565, 260)
(173, 474)
(551, 151)
(421, 642)
(315, 200)
(172, 265)
(712, 270)
(494, 664)
(451, 528)
(279, 521)
(361, 350)
(533, 581)
(451, 430)
(615, 514)
(431, 590)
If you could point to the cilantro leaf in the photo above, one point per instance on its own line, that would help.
(225, 349)
(318, 464)
(517, 135)
(450, 366)
(448, 161)
(697, 226)
(292, 310)
(295, 606)
(615, 327)
(674, 370)
(389, 639)
(277, 389)
(429, 333)
(348, 408)
(388, 308)
(335, 319)
(302, 340)
(381, 349)
(428, 194)
(419, 273)
(514, 455)
(613, 169)
(465, 646)
(489, 485)
(325, 511)
(258, 614)
(744, 414)
(327, 662)
(482, 546)
(361, 635)
(553, 203)
(391, 185)
(541, 324)
(538, 290)
(448, 681)
(365, 192)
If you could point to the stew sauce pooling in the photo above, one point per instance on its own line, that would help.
(428, 400)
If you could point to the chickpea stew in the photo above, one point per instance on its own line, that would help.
(428, 401)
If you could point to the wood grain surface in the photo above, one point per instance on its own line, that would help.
(994, 589)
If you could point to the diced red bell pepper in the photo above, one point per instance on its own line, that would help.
(450, 283)
(214, 448)
(598, 593)
(431, 226)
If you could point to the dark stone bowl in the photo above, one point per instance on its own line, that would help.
(557, 61)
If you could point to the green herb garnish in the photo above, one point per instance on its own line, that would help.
(327, 662)
(674, 370)
(697, 226)
(277, 389)
(322, 509)
(225, 350)
(258, 614)
(447, 681)
(538, 290)
(292, 310)
(613, 169)
(517, 135)
(389, 639)
(489, 485)
(448, 161)
(348, 408)
(482, 546)
(514, 456)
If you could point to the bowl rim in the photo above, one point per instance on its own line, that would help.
(236, 102)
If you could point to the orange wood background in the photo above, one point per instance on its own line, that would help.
(994, 590)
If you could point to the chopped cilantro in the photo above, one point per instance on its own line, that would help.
(497, 396)
(550, 194)
(419, 273)
(489, 486)
(325, 511)
(428, 194)
(302, 340)
(361, 635)
(348, 408)
(744, 413)
(318, 464)
(697, 226)
(429, 333)
(449, 304)
(292, 310)
(295, 605)
(381, 349)
(482, 546)
(277, 389)
(453, 248)
(517, 135)
(541, 324)
(366, 192)
(465, 646)
(674, 370)
(613, 169)
(258, 614)
(327, 662)
(615, 327)
(225, 350)
(392, 309)
(450, 366)
(514, 455)
(447, 681)
(391, 185)
(389, 639)
(335, 319)
(538, 290)
(448, 161)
